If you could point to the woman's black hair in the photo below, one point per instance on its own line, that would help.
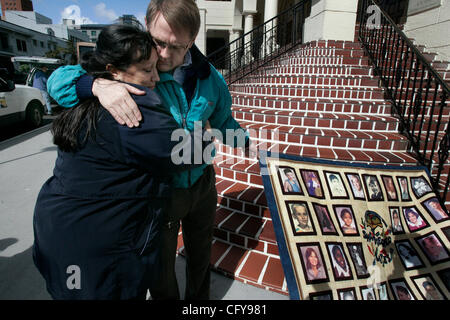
(117, 45)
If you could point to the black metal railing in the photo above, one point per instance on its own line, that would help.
(262, 44)
(418, 93)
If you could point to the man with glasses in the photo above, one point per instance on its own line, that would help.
(192, 90)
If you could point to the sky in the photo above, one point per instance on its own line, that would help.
(89, 11)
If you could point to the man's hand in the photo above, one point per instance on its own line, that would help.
(115, 97)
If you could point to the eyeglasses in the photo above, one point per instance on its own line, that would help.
(163, 45)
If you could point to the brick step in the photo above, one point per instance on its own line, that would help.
(323, 52)
(321, 61)
(305, 137)
(368, 94)
(338, 44)
(326, 81)
(309, 70)
(282, 104)
(315, 120)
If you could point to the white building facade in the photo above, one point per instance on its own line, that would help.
(427, 21)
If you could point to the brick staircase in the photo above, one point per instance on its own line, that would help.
(320, 100)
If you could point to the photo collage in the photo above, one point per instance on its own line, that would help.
(360, 233)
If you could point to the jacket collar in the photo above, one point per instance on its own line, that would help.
(199, 68)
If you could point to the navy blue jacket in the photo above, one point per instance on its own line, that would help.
(102, 208)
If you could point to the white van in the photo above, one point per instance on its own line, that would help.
(18, 102)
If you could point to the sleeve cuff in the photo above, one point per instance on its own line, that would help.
(84, 87)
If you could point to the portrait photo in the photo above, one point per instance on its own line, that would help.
(401, 290)
(312, 182)
(433, 248)
(382, 291)
(347, 294)
(391, 191)
(312, 262)
(346, 220)
(445, 277)
(300, 218)
(356, 185)
(396, 221)
(340, 265)
(322, 295)
(435, 209)
(373, 188)
(408, 255)
(367, 293)
(359, 262)
(335, 185)
(414, 219)
(427, 287)
(420, 186)
(404, 188)
(323, 216)
(446, 232)
(289, 181)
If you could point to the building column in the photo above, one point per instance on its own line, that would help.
(200, 41)
(331, 20)
(248, 26)
(270, 40)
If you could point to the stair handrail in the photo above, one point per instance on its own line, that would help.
(260, 45)
(391, 64)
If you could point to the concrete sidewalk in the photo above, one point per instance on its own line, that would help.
(26, 162)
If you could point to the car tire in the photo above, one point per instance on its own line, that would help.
(34, 114)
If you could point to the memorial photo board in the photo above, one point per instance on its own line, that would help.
(357, 231)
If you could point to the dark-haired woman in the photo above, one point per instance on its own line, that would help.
(97, 219)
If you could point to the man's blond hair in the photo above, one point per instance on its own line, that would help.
(181, 15)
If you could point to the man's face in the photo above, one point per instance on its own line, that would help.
(172, 46)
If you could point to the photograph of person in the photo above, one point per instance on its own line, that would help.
(357, 255)
(323, 295)
(445, 277)
(433, 248)
(336, 185)
(434, 208)
(446, 232)
(373, 188)
(420, 186)
(313, 262)
(312, 183)
(325, 222)
(404, 189)
(413, 219)
(347, 294)
(427, 287)
(382, 291)
(346, 219)
(401, 290)
(300, 218)
(355, 182)
(397, 227)
(389, 186)
(289, 181)
(408, 255)
(367, 293)
(341, 268)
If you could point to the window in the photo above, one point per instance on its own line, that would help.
(93, 33)
(21, 45)
(4, 41)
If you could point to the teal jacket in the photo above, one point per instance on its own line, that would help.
(203, 96)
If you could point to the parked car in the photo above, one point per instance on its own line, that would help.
(18, 102)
